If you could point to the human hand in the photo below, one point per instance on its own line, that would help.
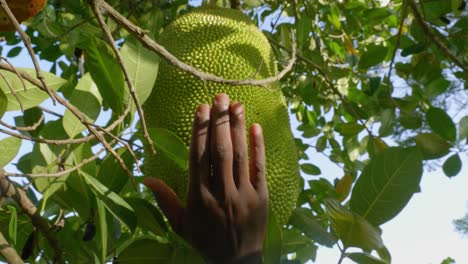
(227, 205)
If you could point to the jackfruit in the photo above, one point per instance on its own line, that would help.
(226, 43)
(22, 9)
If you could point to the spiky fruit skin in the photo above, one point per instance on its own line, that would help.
(22, 9)
(226, 43)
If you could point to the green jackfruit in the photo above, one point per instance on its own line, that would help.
(226, 43)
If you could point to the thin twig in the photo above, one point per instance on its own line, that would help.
(96, 9)
(16, 72)
(436, 39)
(149, 43)
(330, 85)
(28, 128)
(126, 145)
(33, 81)
(27, 43)
(8, 189)
(60, 173)
(50, 111)
(397, 45)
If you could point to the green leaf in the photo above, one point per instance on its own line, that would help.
(452, 166)
(432, 146)
(352, 229)
(349, 129)
(310, 169)
(273, 241)
(170, 147)
(101, 63)
(87, 99)
(384, 254)
(13, 225)
(31, 117)
(293, 240)
(14, 52)
(365, 258)
(387, 184)
(148, 217)
(309, 252)
(374, 55)
(46, 160)
(416, 48)
(114, 179)
(376, 14)
(29, 95)
(146, 251)
(441, 123)
(303, 220)
(142, 66)
(114, 203)
(448, 260)
(3, 103)
(303, 28)
(436, 87)
(9, 148)
(321, 144)
(102, 229)
(334, 17)
(411, 121)
(463, 128)
(387, 119)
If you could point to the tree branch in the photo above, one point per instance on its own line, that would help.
(8, 252)
(96, 6)
(60, 173)
(81, 117)
(149, 43)
(436, 39)
(8, 189)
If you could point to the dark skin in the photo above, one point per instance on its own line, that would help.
(227, 206)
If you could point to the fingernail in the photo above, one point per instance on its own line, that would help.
(256, 128)
(221, 101)
(202, 111)
(237, 109)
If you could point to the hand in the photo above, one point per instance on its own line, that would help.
(227, 205)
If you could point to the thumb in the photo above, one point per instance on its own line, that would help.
(168, 201)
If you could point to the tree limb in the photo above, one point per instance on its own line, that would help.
(8, 252)
(8, 189)
(96, 9)
(149, 43)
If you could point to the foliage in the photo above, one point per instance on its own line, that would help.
(379, 87)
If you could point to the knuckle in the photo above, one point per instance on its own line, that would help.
(222, 151)
(259, 167)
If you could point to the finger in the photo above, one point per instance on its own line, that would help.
(199, 166)
(221, 147)
(239, 144)
(168, 202)
(257, 160)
